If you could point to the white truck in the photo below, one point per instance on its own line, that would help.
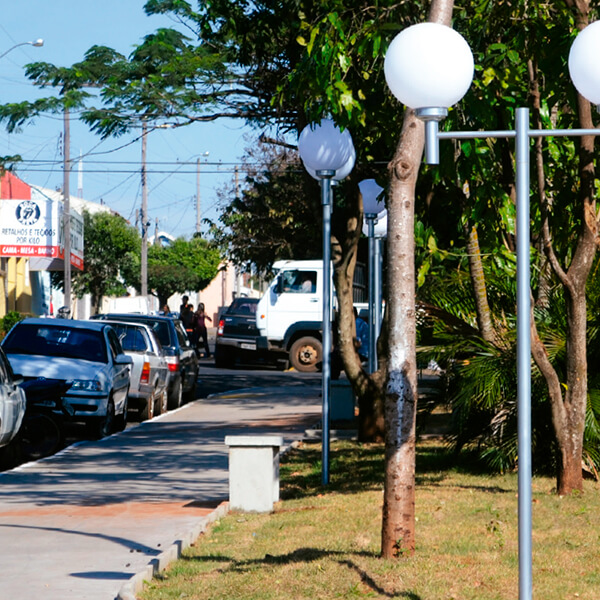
(289, 316)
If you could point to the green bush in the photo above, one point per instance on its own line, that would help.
(11, 318)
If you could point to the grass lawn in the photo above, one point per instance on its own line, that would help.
(323, 543)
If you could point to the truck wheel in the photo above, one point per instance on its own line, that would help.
(224, 359)
(305, 354)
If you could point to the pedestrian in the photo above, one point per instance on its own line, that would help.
(186, 313)
(200, 332)
(166, 311)
(362, 336)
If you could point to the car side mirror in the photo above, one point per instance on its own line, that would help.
(123, 359)
(279, 285)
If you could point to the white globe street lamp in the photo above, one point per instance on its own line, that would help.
(327, 153)
(584, 66)
(371, 194)
(429, 67)
(430, 58)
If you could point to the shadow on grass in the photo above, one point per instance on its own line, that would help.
(306, 555)
(358, 467)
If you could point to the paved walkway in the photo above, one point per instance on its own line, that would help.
(87, 523)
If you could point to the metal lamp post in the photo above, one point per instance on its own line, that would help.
(429, 67)
(371, 194)
(327, 153)
(36, 43)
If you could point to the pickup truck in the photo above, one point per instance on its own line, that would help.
(237, 333)
(149, 374)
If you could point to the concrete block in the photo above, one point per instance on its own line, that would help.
(253, 472)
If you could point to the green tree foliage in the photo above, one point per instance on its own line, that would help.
(111, 256)
(275, 214)
(181, 266)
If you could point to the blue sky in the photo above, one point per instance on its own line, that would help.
(69, 29)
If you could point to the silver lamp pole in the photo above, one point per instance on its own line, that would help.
(328, 154)
(325, 182)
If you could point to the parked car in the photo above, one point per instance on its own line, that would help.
(149, 375)
(12, 402)
(179, 353)
(87, 354)
(237, 333)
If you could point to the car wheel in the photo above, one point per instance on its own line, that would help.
(106, 424)
(147, 411)
(162, 406)
(305, 354)
(190, 394)
(175, 396)
(41, 435)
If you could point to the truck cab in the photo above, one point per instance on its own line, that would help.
(290, 313)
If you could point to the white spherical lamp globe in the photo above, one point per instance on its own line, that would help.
(380, 228)
(584, 63)
(324, 147)
(340, 173)
(429, 65)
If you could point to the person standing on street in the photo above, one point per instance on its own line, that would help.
(200, 332)
(186, 314)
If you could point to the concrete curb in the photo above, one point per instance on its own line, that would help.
(135, 584)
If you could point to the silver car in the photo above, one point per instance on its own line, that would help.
(149, 375)
(12, 402)
(86, 353)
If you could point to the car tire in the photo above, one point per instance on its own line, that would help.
(121, 420)
(306, 354)
(162, 405)
(40, 435)
(147, 411)
(105, 425)
(190, 395)
(175, 397)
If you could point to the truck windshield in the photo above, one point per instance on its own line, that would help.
(298, 281)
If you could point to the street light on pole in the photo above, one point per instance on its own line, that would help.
(327, 153)
(429, 67)
(371, 195)
(36, 43)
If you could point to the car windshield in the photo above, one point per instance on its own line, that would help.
(63, 341)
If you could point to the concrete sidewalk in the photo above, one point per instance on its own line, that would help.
(95, 520)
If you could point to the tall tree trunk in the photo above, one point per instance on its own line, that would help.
(368, 388)
(569, 401)
(398, 515)
(482, 307)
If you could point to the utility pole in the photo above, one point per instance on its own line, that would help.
(198, 209)
(67, 206)
(144, 261)
(198, 205)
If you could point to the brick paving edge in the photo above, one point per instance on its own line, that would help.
(136, 583)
